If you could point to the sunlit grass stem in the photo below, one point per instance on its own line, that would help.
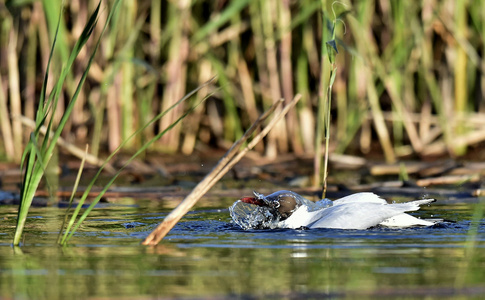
(74, 221)
(38, 153)
(333, 73)
(322, 93)
(325, 99)
(71, 199)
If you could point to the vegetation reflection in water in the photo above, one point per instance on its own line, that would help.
(206, 255)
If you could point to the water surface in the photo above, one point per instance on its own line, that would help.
(207, 256)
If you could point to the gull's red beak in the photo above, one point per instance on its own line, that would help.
(252, 200)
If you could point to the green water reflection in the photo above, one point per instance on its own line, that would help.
(206, 256)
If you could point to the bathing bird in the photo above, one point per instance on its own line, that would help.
(287, 209)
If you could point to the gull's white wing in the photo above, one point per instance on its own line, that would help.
(351, 213)
(360, 198)
(359, 215)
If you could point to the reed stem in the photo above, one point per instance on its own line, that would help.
(232, 156)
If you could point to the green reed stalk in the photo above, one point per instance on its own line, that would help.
(74, 222)
(193, 123)
(329, 49)
(71, 199)
(107, 102)
(317, 163)
(304, 107)
(31, 69)
(52, 14)
(238, 64)
(470, 246)
(268, 21)
(35, 158)
(5, 126)
(432, 85)
(232, 123)
(177, 63)
(361, 27)
(224, 68)
(260, 54)
(128, 17)
(327, 109)
(411, 54)
(14, 88)
(332, 51)
(233, 8)
(286, 72)
(460, 71)
(51, 11)
(305, 12)
(155, 29)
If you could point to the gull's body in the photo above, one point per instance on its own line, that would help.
(286, 209)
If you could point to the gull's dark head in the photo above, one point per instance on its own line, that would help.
(283, 203)
(262, 211)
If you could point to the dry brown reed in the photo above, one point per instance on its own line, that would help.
(411, 77)
(232, 156)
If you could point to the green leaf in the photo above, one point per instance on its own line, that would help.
(332, 77)
(332, 50)
(342, 15)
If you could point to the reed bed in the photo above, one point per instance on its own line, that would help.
(410, 75)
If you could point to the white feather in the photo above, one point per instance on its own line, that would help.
(357, 211)
(405, 220)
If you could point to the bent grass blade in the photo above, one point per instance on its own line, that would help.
(232, 156)
(34, 158)
(73, 225)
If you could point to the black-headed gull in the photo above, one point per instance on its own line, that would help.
(286, 209)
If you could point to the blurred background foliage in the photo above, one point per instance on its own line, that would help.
(409, 82)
